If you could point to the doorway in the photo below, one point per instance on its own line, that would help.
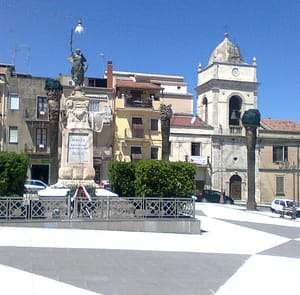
(40, 172)
(236, 187)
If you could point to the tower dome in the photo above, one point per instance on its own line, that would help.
(226, 52)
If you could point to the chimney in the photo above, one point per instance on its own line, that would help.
(109, 74)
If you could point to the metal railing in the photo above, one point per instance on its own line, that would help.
(99, 208)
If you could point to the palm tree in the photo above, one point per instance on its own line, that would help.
(54, 91)
(165, 118)
(251, 120)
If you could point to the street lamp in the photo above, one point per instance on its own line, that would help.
(77, 59)
(79, 28)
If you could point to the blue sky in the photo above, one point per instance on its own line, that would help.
(160, 36)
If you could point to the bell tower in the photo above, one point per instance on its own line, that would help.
(226, 88)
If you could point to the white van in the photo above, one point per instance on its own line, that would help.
(280, 205)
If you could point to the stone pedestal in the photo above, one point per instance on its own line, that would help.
(77, 144)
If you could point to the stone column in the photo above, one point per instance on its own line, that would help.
(251, 120)
(77, 143)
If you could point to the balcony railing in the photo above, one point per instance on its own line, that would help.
(31, 116)
(137, 133)
(235, 129)
(139, 102)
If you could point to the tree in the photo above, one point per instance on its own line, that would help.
(165, 118)
(13, 173)
(54, 91)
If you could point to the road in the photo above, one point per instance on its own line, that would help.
(238, 252)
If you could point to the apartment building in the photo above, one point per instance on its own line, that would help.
(213, 139)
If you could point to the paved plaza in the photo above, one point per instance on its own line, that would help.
(238, 252)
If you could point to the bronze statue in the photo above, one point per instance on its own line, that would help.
(79, 67)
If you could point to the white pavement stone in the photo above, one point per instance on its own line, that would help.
(14, 281)
(239, 213)
(264, 275)
(260, 274)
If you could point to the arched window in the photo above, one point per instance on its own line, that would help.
(235, 105)
(204, 108)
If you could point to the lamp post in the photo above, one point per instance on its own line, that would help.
(77, 135)
(79, 29)
(77, 59)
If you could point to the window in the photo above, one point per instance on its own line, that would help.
(204, 106)
(14, 102)
(96, 82)
(136, 94)
(41, 139)
(13, 134)
(154, 153)
(137, 127)
(195, 149)
(42, 108)
(279, 186)
(235, 105)
(136, 153)
(94, 106)
(280, 154)
(137, 121)
(154, 125)
(108, 116)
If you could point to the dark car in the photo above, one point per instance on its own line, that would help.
(212, 196)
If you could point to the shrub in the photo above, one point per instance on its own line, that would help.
(13, 173)
(152, 178)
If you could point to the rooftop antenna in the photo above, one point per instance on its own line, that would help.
(103, 61)
(23, 49)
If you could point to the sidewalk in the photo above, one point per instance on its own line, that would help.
(236, 245)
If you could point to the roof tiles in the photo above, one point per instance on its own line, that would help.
(187, 121)
(280, 125)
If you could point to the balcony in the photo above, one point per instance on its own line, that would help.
(136, 157)
(237, 130)
(139, 102)
(137, 132)
(31, 116)
(41, 148)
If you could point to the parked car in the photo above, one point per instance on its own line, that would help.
(54, 192)
(34, 185)
(102, 192)
(278, 205)
(105, 184)
(212, 196)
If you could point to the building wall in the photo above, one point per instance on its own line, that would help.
(269, 171)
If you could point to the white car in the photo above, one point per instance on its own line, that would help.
(54, 192)
(34, 185)
(102, 192)
(278, 206)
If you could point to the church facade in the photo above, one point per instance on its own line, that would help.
(226, 88)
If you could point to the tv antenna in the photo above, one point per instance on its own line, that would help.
(25, 51)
